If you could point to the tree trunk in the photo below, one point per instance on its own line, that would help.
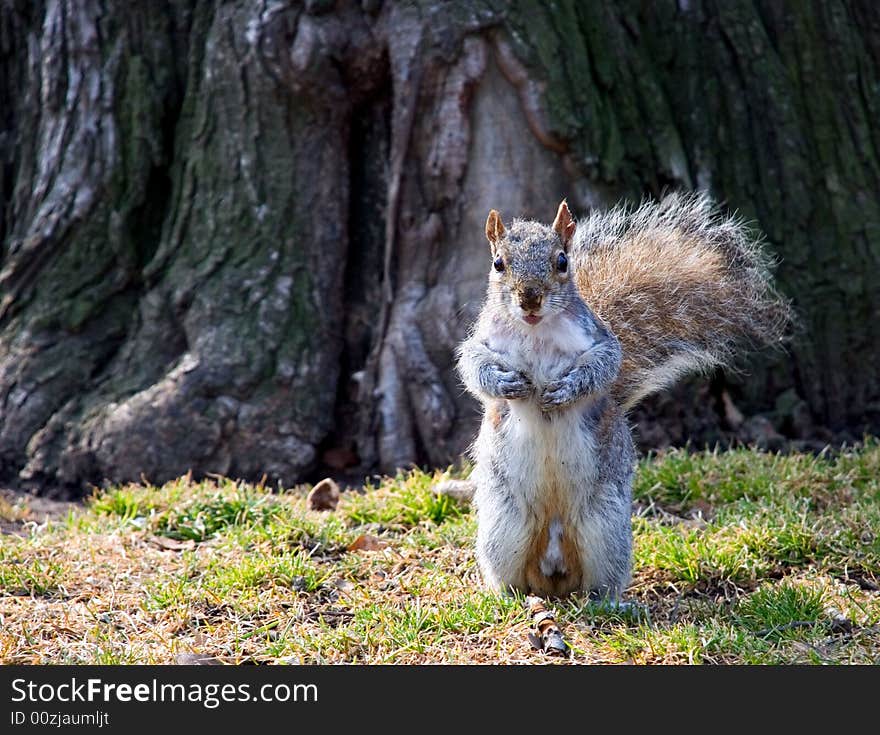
(236, 235)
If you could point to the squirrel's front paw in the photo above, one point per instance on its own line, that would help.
(558, 393)
(503, 383)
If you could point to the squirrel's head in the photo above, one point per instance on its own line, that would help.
(530, 274)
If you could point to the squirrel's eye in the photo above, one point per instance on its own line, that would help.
(561, 263)
(498, 264)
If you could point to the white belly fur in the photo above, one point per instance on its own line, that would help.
(550, 464)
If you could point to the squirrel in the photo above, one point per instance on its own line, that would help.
(580, 322)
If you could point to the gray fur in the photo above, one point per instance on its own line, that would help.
(555, 378)
(681, 285)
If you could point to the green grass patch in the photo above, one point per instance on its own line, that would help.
(29, 576)
(292, 570)
(727, 550)
(407, 501)
(202, 520)
(739, 557)
(780, 609)
(190, 512)
(680, 479)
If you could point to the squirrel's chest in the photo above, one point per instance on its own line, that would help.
(543, 355)
(551, 452)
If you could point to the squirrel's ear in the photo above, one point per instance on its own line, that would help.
(564, 225)
(494, 229)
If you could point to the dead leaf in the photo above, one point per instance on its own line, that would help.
(366, 542)
(324, 495)
(171, 544)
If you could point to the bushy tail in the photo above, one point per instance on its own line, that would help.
(681, 286)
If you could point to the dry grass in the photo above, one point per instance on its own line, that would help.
(740, 557)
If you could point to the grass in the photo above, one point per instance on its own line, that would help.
(739, 557)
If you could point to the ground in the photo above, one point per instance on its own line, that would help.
(740, 557)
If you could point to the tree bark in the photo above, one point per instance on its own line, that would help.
(236, 235)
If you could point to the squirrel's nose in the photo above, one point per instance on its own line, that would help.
(530, 298)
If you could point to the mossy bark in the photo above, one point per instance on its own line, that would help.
(235, 235)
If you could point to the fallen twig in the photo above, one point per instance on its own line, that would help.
(459, 490)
